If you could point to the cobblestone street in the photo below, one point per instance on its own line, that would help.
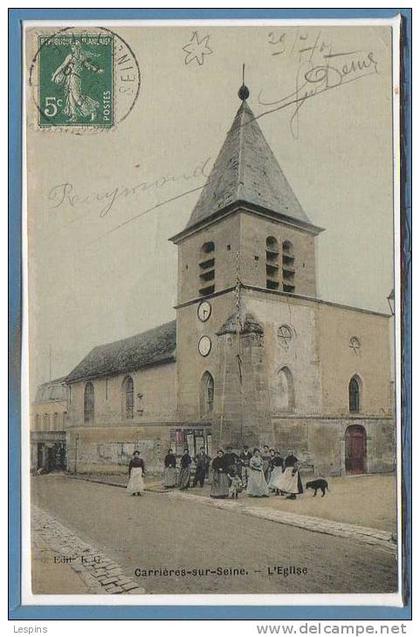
(58, 549)
(161, 532)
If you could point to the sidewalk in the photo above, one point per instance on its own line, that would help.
(48, 576)
(367, 535)
(63, 564)
(367, 500)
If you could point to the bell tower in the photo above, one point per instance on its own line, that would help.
(247, 234)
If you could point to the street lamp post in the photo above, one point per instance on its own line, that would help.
(75, 452)
(391, 301)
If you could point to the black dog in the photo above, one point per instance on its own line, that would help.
(318, 484)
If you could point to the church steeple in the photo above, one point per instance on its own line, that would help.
(248, 218)
(247, 173)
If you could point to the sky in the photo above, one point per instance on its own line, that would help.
(102, 205)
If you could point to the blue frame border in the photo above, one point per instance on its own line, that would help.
(16, 610)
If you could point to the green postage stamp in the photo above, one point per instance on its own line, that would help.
(76, 83)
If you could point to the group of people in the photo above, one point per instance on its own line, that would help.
(258, 472)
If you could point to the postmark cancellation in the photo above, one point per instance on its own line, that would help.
(82, 79)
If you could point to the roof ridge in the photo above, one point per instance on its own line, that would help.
(240, 152)
(127, 338)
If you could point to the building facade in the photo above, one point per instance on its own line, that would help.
(254, 356)
(48, 424)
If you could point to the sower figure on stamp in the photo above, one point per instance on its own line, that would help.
(201, 465)
(136, 472)
(69, 75)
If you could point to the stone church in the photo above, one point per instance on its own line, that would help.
(254, 356)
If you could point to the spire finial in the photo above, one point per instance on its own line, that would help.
(244, 90)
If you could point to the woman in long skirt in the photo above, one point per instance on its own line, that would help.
(290, 483)
(276, 472)
(185, 473)
(136, 471)
(169, 473)
(220, 481)
(257, 486)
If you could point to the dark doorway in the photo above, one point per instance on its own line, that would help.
(355, 449)
(40, 455)
(51, 457)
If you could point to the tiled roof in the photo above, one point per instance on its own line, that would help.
(247, 171)
(148, 348)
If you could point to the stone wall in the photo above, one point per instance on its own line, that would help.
(254, 232)
(247, 234)
(109, 449)
(295, 348)
(226, 236)
(157, 400)
(190, 364)
(339, 362)
(243, 408)
(320, 442)
(55, 412)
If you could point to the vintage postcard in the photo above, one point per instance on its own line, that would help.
(212, 368)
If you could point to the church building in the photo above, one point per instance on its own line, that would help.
(254, 356)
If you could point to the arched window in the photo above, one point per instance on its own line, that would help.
(354, 394)
(272, 263)
(128, 397)
(207, 269)
(38, 422)
(206, 394)
(89, 403)
(55, 421)
(288, 259)
(284, 393)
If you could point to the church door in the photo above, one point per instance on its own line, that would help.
(356, 449)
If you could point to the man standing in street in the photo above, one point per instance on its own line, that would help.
(201, 465)
(245, 457)
(230, 459)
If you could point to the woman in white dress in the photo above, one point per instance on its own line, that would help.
(136, 472)
(289, 482)
(257, 486)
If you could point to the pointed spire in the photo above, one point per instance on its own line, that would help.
(246, 173)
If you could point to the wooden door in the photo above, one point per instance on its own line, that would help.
(356, 449)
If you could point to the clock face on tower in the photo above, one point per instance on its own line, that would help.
(204, 311)
(204, 345)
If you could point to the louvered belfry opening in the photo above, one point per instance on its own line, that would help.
(288, 259)
(272, 263)
(207, 269)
